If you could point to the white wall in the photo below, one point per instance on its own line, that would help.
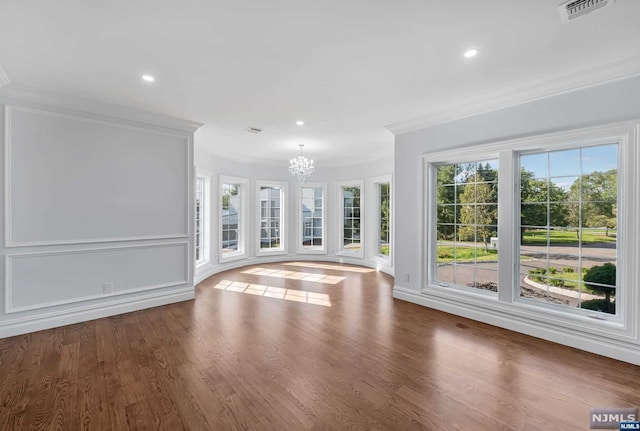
(216, 166)
(604, 104)
(97, 213)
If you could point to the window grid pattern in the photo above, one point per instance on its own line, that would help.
(231, 213)
(200, 231)
(384, 211)
(312, 217)
(466, 225)
(351, 218)
(270, 217)
(568, 225)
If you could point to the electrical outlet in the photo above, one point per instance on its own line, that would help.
(107, 288)
(405, 276)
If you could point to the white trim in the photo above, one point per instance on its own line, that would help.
(243, 227)
(299, 225)
(615, 71)
(507, 304)
(545, 329)
(284, 227)
(8, 259)
(76, 106)
(340, 185)
(24, 325)
(79, 116)
(210, 270)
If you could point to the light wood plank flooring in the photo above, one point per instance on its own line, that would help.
(300, 347)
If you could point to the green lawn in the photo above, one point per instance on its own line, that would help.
(539, 237)
(465, 254)
(566, 280)
(384, 249)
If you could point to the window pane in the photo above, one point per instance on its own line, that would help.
(231, 213)
(466, 225)
(570, 261)
(312, 214)
(270, 217)
(200, 196)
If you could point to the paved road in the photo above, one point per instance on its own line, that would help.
(559, 257)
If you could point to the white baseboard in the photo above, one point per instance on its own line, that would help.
(599, 345)
(206, 271)
(44, 321)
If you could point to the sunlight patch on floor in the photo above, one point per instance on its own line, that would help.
(327, 266)
(295, 275)
(275, 292)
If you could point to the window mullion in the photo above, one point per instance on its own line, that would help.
(508, 212)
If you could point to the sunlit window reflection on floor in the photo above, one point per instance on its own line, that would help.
(326, 266)
(275, 292)
(295, 275)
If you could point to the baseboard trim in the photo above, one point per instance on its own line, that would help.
(82, 314)
(600, 346)
(206, 271)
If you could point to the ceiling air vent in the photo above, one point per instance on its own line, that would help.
(253, 130)
(576, 8)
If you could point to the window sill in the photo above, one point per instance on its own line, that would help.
(523, 310)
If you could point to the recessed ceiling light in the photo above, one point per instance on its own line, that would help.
(148, 78)
(471, 53)
(300, 123)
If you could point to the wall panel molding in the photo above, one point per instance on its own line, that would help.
(13, 168)
(11, 259)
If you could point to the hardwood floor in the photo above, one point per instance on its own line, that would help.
(300, 347)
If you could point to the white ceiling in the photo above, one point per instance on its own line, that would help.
(348, 68)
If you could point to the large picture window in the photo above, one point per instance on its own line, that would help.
(312, 233)
(548, 224)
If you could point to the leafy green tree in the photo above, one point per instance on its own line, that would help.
(540, 199)
(446, 200)
(484, 217)
(602, 275)
(597, 194)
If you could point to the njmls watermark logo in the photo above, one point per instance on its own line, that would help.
(614, 419)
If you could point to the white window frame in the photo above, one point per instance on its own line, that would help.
(622, 326)
(339, 193)
(205, 219)
(244, 191)
(312, 249)
(284, 187)
(374, 186)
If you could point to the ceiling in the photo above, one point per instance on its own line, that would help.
(346, 68)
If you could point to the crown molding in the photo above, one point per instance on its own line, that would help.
(610, 72)
(37, 98)
(4, 78)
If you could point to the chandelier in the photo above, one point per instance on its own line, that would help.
(301, 167)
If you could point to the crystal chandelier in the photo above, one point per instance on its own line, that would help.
(301, 167)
